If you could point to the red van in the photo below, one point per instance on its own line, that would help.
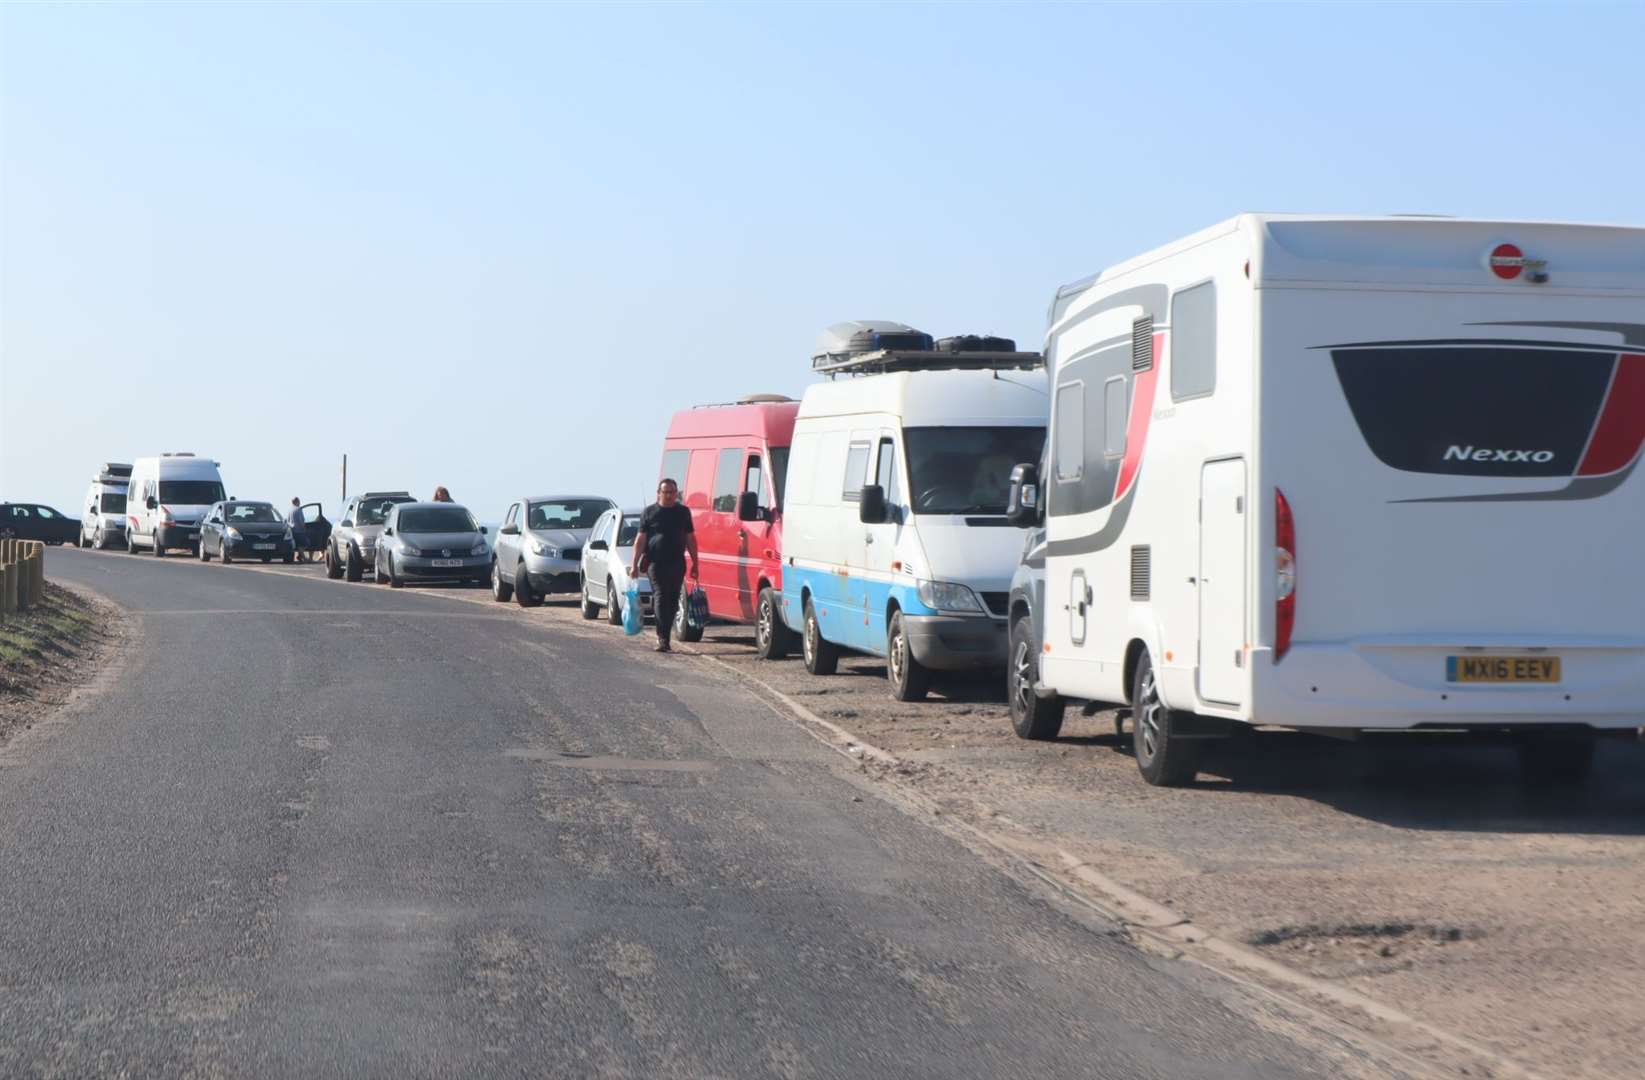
(730, 462)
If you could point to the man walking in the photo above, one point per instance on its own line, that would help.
(665, 537)
(299, 534)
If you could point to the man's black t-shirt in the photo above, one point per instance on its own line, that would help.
(665, 529)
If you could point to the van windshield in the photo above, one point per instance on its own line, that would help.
(966, 470)
(112, 502)
(191, 492)
(437, 519)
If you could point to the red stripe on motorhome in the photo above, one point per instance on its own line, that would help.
(1621, 428)
(1136, 427)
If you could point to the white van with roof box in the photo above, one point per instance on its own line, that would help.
(895, 541)
(166, 500)
(103, 521)
(1346, 475)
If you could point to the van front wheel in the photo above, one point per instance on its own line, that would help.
(909, 678)
(1032, 716)
(822, 657)
(1164, 758)
(771, 634)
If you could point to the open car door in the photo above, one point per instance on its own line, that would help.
(316, 527)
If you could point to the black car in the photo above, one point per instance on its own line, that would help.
(245, 530)
(31, 521)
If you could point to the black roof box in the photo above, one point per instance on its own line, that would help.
(975, 343)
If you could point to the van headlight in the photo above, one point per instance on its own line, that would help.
(478, 549)
(547, 551)
(950, 597)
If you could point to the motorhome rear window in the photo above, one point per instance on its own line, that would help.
(966, 470)
(1475, 409)
(437, 519)
(112, 502)
(1194, 342)
(191, 492)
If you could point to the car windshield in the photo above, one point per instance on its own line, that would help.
(112, 502)
(437, 519)
(566, 514)
(241, 513)
(191, 492)
(375, 511)
(966, 470)
(630, 529)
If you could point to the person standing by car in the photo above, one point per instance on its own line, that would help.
(299, 534)
(665, 537)
(441, 495)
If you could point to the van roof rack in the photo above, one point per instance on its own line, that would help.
(178, 453)
(871, 347)
(115, 469)
(748, 399)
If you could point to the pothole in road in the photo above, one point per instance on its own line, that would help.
(1342, 950)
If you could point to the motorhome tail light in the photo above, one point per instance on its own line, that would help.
(1285, 570)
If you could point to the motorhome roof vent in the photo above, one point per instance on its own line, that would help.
(764, 399)
(869, 347)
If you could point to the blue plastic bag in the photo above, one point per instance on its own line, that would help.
(633, 620)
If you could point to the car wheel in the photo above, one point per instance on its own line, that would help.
(355, 568)
(909, 678)
(822, 657)
(159, 552)
(590, 609)
(772, 638)
(524, 594)
(1032, 716)
(378, 574)
(334, 565)
(683, 630)
(613, 603)
(394, 581)
(1556, 760)
(205, 556)
(501, 590)
(1164, 758)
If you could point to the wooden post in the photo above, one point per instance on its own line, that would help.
(24, 577)
(8, 588)
(38, 589)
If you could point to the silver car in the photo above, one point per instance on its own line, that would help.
(353, 545)
(431, 541)
(606, 559)
(540, 546)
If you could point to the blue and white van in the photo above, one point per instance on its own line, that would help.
(895, 540)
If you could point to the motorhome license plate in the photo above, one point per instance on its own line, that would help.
(1502, 669)
(444, 563)
(262, 547)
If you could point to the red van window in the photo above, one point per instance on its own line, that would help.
(699, 479)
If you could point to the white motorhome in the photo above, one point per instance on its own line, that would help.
(166, 499)
(895, 541)
(1346, 475)
(103, 521)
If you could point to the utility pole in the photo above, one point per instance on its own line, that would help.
(345, 478)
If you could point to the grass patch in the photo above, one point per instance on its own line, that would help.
(57, 626)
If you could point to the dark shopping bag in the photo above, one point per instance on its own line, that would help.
(696, 609)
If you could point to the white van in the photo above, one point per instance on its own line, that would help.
(895, 541)
(1346, 475)
(167, 497)
(103, 521)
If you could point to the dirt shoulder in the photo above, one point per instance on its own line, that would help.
(49, 651)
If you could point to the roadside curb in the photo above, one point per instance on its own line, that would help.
(1162, 926)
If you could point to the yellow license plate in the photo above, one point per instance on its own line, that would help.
(1502, 669)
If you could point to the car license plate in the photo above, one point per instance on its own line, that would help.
(1502, 669)
(263, 547)
(445, 563)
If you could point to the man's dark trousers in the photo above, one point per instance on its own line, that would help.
(667, 580)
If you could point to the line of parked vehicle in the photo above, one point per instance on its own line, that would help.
(1274, 473)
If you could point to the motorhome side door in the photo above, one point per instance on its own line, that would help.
(1221, 582)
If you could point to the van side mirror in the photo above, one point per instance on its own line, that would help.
(509, 530)
(482, 530)
(151, 502)
(1022, 507)
(871, 510)
(388, 530)
(748, 507)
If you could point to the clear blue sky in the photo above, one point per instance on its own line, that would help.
(494, 247)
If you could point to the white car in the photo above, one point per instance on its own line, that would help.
(606, 559)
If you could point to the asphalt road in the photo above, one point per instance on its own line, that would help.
(317, 829)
